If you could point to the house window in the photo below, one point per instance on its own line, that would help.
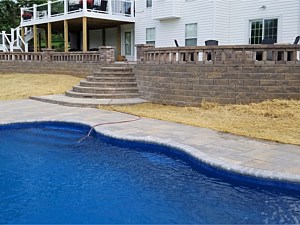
(263, 29)
(148, 3)
(150, 36)
(191, 34)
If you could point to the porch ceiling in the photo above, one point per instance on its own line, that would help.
(76, 24)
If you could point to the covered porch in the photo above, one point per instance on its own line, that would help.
(84, 25)
(87, 34)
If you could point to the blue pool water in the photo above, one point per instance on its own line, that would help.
(47, 177)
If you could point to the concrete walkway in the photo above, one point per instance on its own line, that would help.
(230, 152)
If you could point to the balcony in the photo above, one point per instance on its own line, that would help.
(166, 9)
(116, 10)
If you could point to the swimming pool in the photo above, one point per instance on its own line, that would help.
(46, 176)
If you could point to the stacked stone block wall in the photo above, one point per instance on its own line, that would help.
(68, 68)
(185, 84)
(189, 84)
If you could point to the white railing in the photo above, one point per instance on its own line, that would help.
(13, 41)
(124, 8)
(42, 11)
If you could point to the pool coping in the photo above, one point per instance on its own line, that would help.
(189, 150)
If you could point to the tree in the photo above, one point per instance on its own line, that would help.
(29, 3)
(9, 15)
(10, 12)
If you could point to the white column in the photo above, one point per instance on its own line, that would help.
(84, 2)
(110, 7)
(22, 12)
(132, 8)
(49, 9)
(12, 39)
(66, 6)
(18, 36)
(3, 40)
(34, 12)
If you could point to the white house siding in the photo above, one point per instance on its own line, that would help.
(224, 20)
(287, 12)
(221, 22)
(95, 38)
(163, 9)
(111, 36)
(192, 11)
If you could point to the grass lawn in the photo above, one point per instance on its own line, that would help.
(277, 120)
(20, 86)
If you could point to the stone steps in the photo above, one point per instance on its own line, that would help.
(110, 82)
(116, 69)
(115, 79)
(107, 84)
(109, 74)
(105, 90)
(101, 96)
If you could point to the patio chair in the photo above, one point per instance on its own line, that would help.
(210, 43)
(296, 40)
(268, 41)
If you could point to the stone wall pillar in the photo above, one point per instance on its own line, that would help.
(46, 53)
(107, 54)
(140, 49)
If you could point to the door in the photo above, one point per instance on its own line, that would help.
(127, 44)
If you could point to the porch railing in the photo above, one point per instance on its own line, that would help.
(104, 55)
(76, 57)
(64, 7)
(266, 54)
(18, 56)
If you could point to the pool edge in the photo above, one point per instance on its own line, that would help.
(189, 150)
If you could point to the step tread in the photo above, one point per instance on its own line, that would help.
(113, 72)
(106, 83)
(92, 95)
(106, 88)
(115, 68)
(110, 78)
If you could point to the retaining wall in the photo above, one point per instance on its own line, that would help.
(190, 84)
(68, 68)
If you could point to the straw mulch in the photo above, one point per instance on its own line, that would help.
(277, 120)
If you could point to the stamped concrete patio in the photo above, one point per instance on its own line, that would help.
(230, 152)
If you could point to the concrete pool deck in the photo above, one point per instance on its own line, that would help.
(230, 152)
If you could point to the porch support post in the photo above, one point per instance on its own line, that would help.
(84, 34)
(103, 37)
(39, 42)
(118, 47)
(23, 33)
(49, 34)
(66, 35)
(35, 38)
